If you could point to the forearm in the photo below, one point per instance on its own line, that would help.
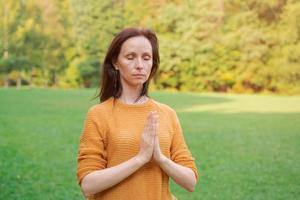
(183, 176)
(101, 180)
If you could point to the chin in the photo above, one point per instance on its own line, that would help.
(138, 83)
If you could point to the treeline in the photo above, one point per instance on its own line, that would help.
(221, 45)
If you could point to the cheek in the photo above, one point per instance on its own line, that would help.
(125, 65)
(149, 70)
(124, 62)
(149, 65)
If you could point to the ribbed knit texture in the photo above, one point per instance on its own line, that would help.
(111, 135)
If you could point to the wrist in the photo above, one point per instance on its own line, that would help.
(162, 160)
(140, 160)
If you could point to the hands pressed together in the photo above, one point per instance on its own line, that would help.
(149, 146)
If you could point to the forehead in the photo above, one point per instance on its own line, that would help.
(137, 44)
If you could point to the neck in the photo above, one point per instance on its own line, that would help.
(131, 95)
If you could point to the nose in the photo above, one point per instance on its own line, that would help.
(139, 64)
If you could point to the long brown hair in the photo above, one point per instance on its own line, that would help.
(111, 83)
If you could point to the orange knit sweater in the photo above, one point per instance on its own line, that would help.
(111, 135)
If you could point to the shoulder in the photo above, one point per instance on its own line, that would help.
(101, 109)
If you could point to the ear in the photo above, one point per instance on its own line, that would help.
(115, 64)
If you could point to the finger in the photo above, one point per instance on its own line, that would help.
(153, 121)
(151, 124)
(148, 122)
(156, 123)
(157, 144)
(149, 116)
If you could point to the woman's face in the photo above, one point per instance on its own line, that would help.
(134, 61)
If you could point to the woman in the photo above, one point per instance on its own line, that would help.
(130, 144)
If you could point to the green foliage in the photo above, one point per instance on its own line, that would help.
(71, 79)
(224, 45)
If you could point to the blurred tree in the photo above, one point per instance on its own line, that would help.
(223, 45)
(95, 23)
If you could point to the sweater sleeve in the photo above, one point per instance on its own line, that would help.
(179, 150)
(92, 154)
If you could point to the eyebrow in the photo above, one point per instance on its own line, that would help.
(132, 52)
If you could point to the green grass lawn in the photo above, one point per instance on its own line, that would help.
(246, 146)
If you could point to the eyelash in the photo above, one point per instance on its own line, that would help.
(130, 57)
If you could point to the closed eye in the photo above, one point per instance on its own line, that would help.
(147, 57)
(130, 57)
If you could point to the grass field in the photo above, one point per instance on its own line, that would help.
(246, 146)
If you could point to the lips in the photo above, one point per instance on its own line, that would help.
(139, 75)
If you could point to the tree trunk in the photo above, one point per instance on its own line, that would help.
(30, 80)
(56, 80)
(19, 82)
(6, 82)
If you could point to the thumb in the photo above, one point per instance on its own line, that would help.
(157, 141)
